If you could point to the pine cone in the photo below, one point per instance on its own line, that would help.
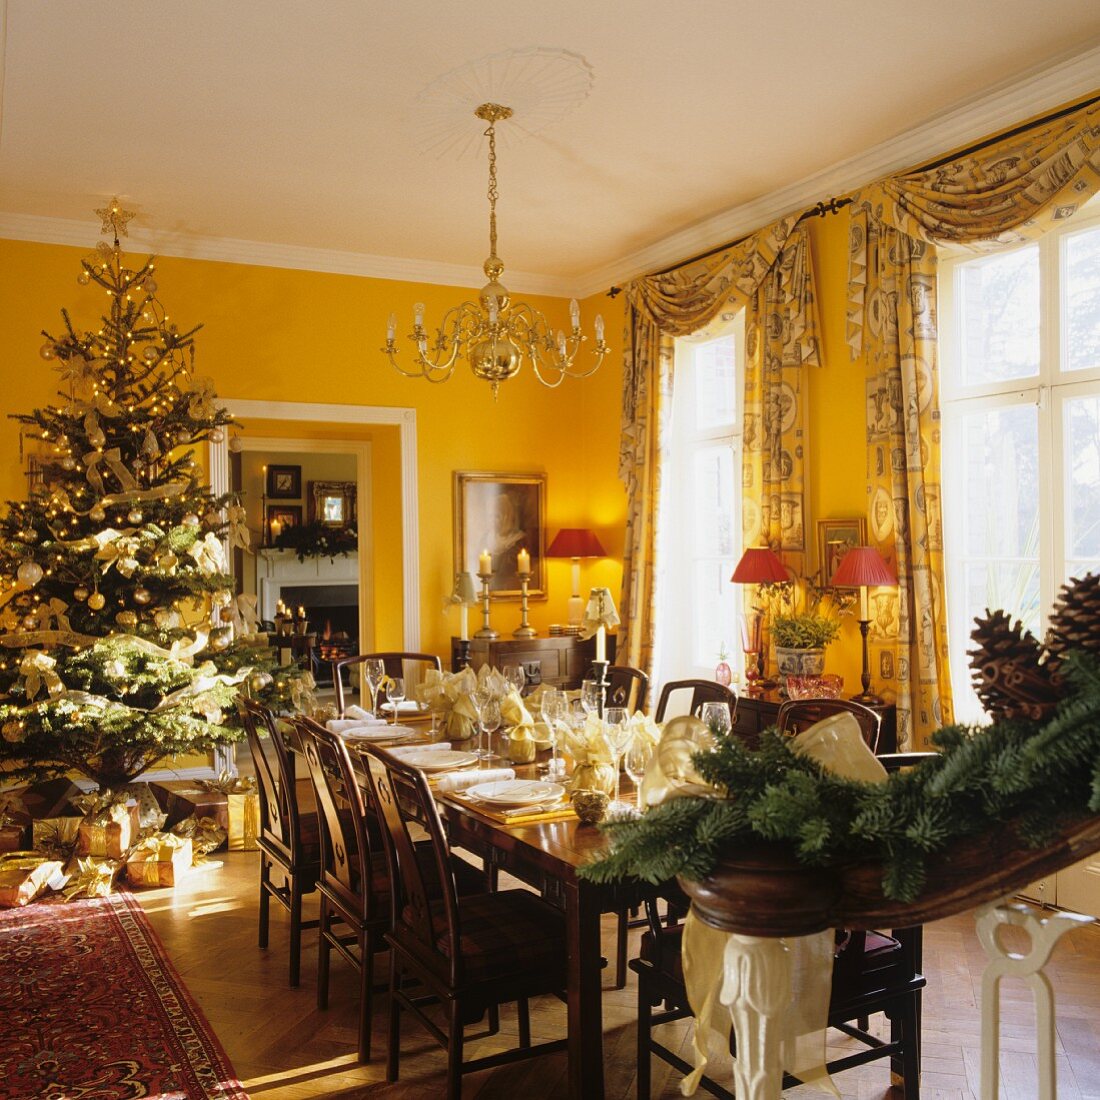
(1008, 675)
(1075, 621)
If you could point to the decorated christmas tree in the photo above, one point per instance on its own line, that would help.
(121, 639)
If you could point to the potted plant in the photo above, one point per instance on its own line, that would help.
(803, 618)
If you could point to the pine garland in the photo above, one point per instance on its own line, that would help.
(1027, 775)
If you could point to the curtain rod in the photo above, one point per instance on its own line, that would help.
(835, 205)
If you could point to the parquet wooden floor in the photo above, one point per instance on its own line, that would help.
(285, 1049)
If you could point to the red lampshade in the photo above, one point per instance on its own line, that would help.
(863, 567)
(759, 565)
(575, 542)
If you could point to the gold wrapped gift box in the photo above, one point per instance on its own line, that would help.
(109, 832)
(159, 860)
(232, 802)
(11, 838)
(55, 836)
(23, 876)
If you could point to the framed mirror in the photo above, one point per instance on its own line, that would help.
(332, 503)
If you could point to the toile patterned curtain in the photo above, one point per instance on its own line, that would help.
(677, 303)
(1010, 191)
(781, 339)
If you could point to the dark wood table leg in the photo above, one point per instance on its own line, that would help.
(582, 916)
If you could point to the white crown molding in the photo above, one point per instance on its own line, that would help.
(83, 234)
(998, 108)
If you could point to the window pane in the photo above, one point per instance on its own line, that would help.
(712, 498)
(1082, 300)
(715, 611)
(715, 390)
(999, 300)
(1082, 475)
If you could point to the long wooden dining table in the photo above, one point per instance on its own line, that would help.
(546, 855)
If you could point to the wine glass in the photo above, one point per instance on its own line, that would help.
(479, 697)
(396, 695)
(515, 675)
(590, 696)
(554, 706)
(716, 717)
(488, 723)
(617, 734)
(636, 763)
(374, 671)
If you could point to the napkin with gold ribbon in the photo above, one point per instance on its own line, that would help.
(519, 728)
(447, 694)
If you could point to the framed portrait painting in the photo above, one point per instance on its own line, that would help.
(835, 537)
(501, 514)
(284, 482)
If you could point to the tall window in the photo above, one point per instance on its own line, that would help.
(1021, 431)
(701, 506)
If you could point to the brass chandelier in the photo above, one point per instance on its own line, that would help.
(495, 334)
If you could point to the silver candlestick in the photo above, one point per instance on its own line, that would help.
(524, 630)
(486, 630)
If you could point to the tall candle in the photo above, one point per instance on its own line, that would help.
(464, 623)
(601, 643)
(523, 562)
(485, 562)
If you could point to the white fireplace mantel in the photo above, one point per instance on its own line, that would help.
(278, 568)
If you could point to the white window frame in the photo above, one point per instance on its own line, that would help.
(677, 621)
(1048, 391)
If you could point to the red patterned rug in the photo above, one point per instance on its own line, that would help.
(91, 1009)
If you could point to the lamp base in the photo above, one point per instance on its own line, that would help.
(575, 611)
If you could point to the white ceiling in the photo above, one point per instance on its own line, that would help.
(294, 123)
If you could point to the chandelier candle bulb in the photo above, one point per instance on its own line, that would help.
(391, 328)
(599, 328)
(575, 313)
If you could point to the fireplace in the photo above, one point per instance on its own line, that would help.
(332, 611)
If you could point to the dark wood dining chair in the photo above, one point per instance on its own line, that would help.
(796, 715)
(470, 953)
(872, 972)
(289, 837)
(354, 876)
(405, 665)
(702, 691)
(626, 687)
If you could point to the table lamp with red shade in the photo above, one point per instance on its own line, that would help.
(863, 567)
(758, 565)
(575, 543)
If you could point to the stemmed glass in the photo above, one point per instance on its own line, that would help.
(488, 723)
(396, 695)
(617, 734)
(374, 672)
(515, 675)
(637, 761)
(716, 717)
(590, 696)
(479, 698)
(554, 707)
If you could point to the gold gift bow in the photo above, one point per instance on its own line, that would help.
(201, 405)
(239, 535)
(56, 837)
(93, 878)
(225, 783)
(143, 861)
(95, 802)
(37, 670)
(208, 554)
(205, 834)
(119, 552)
(244, 615)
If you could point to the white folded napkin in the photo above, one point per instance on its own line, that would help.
(428, 746)
(358, 712)
(348, 725)
(406, 706)
(459, 781)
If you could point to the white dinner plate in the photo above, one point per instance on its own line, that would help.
(438, 760)
(379, 733)
(517, 792)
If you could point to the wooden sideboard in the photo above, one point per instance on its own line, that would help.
(562, 662)
(758, 712)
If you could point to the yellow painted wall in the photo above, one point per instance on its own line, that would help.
(282, 335)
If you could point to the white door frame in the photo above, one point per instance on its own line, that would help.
(365, 415)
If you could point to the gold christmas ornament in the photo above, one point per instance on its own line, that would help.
(259, 681)
(220, 637)
(135, 516)
(96, 601)
(166, 619)
(83, 278)
(217, 435)
(80, 593)
(168, 560)
(47, 352)
(68, 463)
(114, 218)
(235, 444)
(142, 595)
(97, 514)
(150, 354)
(190, 520)
(29, 573)
(28, 534)
(29, 622)
(126, 619)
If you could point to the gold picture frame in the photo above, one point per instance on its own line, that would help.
(502, 513)
(835, 537)
(332, 503)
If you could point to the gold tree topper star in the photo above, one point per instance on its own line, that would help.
(115, 219)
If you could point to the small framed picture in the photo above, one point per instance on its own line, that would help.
(284, 482)
(282, 516)
(835, 537)
(332, 503)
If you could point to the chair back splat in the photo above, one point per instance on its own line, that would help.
(702, 691)
(396, 664)
(627, 687)
(795, 715)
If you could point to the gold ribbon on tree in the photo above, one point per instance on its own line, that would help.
(112, 459)
(36, 671)
(208, 554)
(201, 405)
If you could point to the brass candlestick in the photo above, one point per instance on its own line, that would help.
(486, 630)
(524, 630)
